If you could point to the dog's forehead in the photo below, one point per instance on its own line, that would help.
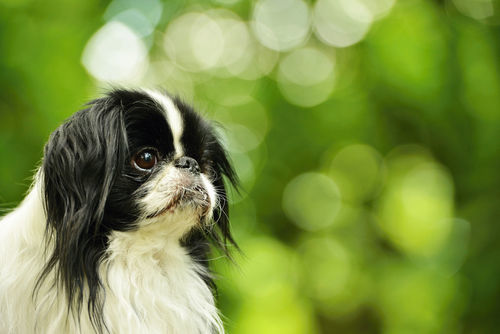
(174, 118)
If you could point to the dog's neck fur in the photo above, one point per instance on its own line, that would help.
(151, 284)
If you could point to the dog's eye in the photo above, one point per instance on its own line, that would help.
(145, 160)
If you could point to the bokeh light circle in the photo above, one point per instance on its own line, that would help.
(236, 37)
(206, 41)
(281, 24)
(306, 76)
(307, 66)
(416, 206)
(115, 54)
(326, 266)
(341, 23)
(194, 41)
(359, 172)
(311, 201)
(413, 299)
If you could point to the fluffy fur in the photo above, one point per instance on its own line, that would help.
(101, 244)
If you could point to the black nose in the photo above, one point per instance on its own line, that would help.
(189, 163)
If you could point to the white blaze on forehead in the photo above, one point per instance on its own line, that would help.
(174, 118)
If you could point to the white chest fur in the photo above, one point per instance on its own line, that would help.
(151, 284)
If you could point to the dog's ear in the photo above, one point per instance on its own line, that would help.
(223, 177)
(223, 169)
(197, 242)
(81, 161)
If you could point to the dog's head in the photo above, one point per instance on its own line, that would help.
(131, 160)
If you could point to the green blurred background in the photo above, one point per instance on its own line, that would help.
(366, 134)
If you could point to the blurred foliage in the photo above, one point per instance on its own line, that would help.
(366, 134)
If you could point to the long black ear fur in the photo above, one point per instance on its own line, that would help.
(219, 234)
(91, 143)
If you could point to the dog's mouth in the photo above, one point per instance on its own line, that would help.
(193, 197)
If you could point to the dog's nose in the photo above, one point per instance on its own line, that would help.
(188, 163)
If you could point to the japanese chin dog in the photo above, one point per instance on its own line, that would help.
(115, 232)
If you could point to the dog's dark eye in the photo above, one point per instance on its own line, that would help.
(145, 160)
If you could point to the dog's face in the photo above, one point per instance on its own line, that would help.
(133, 159)
(172, 171)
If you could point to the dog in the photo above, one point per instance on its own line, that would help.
(115, 232)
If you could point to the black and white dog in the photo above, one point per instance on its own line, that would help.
(114, 234)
